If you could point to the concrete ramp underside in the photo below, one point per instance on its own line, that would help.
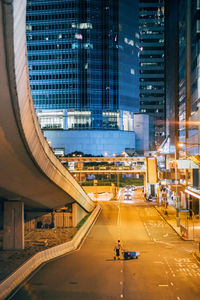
(29, 170)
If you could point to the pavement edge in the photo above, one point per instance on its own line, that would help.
(196, 256)
(17, 277)
(178, 233)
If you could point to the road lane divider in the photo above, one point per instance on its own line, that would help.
(8, 285)
(163, 285)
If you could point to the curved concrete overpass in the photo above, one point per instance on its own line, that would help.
(29, 170)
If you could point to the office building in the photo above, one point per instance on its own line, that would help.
(183, 96)
(152, 64)
(182, 74)
(83, 65)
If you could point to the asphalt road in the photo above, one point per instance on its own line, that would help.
(165, 269)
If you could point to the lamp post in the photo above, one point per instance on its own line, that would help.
(177, 198)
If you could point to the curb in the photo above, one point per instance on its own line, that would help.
(11, 282)
(196, 256)
(184, 239)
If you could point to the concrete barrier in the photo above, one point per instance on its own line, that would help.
(97, 189)
(11, 282)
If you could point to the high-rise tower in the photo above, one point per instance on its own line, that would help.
(77, 53)
(152, 63)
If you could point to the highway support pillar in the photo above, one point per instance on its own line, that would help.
(77, 214)
(13, 229)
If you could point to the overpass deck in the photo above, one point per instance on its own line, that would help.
(103, 159)
(30, 174)
(29, 170)
(108, 171)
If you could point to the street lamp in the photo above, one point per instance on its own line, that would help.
(177, 198)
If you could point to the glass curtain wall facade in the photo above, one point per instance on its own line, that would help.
(172, 69)
(128, 55)
(152, 63)
(75, 65)
(70, 59)
(189, 77)
(183, 78)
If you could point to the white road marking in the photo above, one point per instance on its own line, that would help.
(178, 298)
(121, 282)
(147, 229)
(172, 284)
(165, 243)
(163, 285)
(171, 270)
(121, 296)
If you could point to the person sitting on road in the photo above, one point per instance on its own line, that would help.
(117, 249)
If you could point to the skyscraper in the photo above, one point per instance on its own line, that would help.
(182, 74)
(183, 96)
(152, 63)
(82, 58)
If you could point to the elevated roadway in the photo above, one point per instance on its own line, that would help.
(103, 159)
(30, 173)
(110, 171)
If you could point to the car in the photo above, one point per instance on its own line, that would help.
(127, 197)
(128, 187)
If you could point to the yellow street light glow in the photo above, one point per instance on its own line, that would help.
(181, 144)
(187, 144)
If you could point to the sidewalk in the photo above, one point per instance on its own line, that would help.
(189, 229)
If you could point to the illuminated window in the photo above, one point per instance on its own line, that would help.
(132, 71)
(79, 119)
(51, 119)
(128, 42)
(75, 46)
(87, 46)
(29, 28)
(127, 121)
(82, 25)
(78, 36)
